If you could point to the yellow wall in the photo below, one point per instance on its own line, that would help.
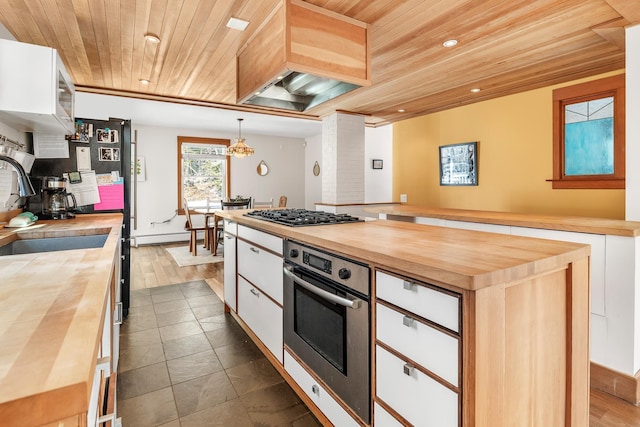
(515, 155)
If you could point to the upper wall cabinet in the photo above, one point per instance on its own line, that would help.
(36, 92)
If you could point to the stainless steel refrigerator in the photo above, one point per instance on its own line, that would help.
(108, 146)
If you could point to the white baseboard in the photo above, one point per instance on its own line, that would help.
(154, 239)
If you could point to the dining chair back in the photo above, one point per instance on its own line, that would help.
(193, 231)
(231, 204)
(267, 204)
(236, 204)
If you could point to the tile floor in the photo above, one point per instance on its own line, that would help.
(184, 362)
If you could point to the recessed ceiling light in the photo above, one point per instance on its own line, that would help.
(152, 38)
(237, 24)
(475, 90)
(401, 110)
(450, 43)
(144, 81)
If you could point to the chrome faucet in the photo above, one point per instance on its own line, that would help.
(24, 185)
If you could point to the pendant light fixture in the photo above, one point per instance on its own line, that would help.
(239, 148)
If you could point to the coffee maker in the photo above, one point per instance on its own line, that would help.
(56, 202)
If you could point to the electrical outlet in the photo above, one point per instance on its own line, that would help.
(403, 198)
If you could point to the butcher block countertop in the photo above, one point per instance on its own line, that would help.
(464, 259)
(579, 224)
(51, 313)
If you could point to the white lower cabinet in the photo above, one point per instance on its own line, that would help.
(419, 398)
(428, 346)
(417, 352)
(384, 419)
(230, 293)
(262, 315)
(323, 400)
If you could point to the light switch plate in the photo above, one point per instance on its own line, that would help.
(403, 198)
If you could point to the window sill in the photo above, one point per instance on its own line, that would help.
(593, 184)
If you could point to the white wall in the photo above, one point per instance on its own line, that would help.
(632, 191)
(378, 183)
(312, 183)
(378, 144)
(157, 195)
(7, 204)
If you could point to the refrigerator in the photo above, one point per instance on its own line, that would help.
(106, 147)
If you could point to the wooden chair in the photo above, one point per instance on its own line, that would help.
(283, 202)
(267, 204)
(193, 230)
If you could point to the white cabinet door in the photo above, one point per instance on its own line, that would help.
(262, 268)
(417, 397)
(437, 306)
(479, 226)
(230, 296)
(262, 315)
(430, 347)
(260, 238)
(323, 400)
(382, 418)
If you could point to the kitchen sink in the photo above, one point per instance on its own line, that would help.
(52, 244)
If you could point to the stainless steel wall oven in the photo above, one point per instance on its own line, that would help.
(327, 321)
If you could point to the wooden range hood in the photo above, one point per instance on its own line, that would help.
(301, 56)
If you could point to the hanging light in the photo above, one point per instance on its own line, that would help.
(239, 148)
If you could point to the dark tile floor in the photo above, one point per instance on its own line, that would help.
(184, 362)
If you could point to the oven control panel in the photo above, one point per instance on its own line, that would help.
(350, 273)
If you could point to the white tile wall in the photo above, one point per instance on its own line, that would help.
(343, 159)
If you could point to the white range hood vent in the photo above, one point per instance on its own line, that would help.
(300, 91)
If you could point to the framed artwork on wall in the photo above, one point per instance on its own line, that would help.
(376, 164)
(459, 164)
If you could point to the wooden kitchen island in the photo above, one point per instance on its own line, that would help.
(521, 340)
(57, 343)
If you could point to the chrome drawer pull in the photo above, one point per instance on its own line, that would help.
(408, 369)
(407, 321)
(229, 237)
(256, 293)
(407, 285)
(118, 316)
(315, 389)
(252, 249)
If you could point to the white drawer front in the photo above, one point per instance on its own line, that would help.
(262, 268)
(262, 316)
(417, 397)
(436, 306)
(323, 400)
(382, 418)
(433, 349)
(231, 227)
(261, 238)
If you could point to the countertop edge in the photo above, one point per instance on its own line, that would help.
(604, 226)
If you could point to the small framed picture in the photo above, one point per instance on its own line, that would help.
(376, 164)
(459, 164)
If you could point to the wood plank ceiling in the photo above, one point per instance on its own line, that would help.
(504, 47)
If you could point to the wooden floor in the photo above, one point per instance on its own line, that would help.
(152, 266)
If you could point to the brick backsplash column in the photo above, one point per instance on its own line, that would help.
(343, 159)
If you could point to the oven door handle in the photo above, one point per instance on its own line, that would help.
(288, 271)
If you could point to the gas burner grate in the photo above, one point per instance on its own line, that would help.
(301, 217)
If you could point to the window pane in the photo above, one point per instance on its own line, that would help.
(588, 138)
(203, 179)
